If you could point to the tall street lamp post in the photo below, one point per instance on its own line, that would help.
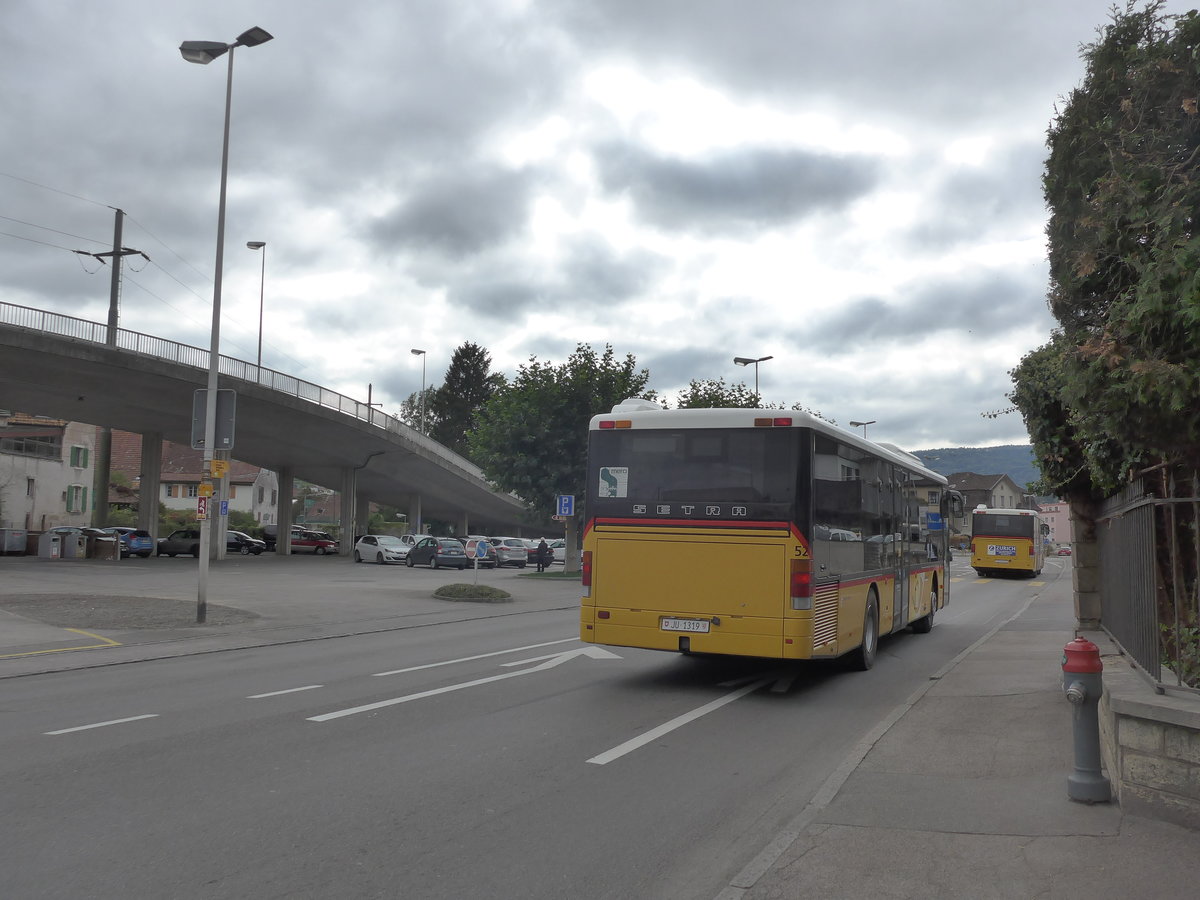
(745, 361)
(421, 353)
(262, 280)
(864, 426)
(204, 52)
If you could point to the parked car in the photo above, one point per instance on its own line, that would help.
(184, 540)
(271, 532)
(317, 542)
(511, 551)
(1064, 551)
(531, 551)
(240, 542)
(134, 541)
(437, 552)
(381, 548)
(559, 548)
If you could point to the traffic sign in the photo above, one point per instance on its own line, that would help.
(481, 549)
(224, 507)
(204, 490)
(201, 507)
(565, 504)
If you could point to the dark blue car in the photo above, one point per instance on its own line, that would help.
(134, 541)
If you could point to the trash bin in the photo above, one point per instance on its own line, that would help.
(74, 545)
(12, 541)
(50, 546)
(104, 548)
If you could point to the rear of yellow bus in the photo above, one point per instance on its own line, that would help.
(687, 563)
(1006, 542)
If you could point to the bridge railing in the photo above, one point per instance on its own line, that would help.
(160, 348)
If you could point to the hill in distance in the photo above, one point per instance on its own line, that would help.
(1014, 460)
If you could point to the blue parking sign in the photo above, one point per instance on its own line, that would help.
(566, 504)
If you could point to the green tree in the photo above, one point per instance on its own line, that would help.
(468, 386)
(410, 412)
(531, 437)
(1115, 388)
(710, 394)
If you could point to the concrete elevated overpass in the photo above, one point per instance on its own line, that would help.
(60, 366)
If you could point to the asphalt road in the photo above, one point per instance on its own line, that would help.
(470, 757)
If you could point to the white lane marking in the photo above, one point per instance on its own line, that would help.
(655, 733)
(102, 724)
(550, 663)
(450, 662)
(307, 687)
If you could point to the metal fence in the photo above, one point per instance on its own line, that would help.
(161, 348)
(1149, 552)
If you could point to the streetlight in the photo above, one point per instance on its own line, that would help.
(204, 52)
(262, 279)
(745, 361)
(421, 353)
(864, 426)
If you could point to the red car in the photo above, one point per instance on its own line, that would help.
(1064, 551)
(313, 542)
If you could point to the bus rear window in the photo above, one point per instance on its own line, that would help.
(1003, 526)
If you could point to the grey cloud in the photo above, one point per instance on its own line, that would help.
(733, 192)
(991, 304)
(457, 213)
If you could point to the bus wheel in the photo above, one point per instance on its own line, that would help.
(864, 656)
(924, 625)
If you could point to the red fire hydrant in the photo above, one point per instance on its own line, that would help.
(1083, 684)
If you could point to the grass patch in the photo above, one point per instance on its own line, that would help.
(472, 593)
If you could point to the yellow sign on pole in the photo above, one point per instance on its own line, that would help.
(220, 468)
(205, 490)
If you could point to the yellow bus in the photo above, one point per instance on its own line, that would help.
(763, 533)
(1008, 541)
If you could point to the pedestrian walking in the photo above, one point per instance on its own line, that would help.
(543, 555)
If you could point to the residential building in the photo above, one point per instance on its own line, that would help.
(46, 472)
(1057, 515)
(994, 491)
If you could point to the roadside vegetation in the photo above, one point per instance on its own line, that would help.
(1112, 396)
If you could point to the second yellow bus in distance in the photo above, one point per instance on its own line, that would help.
(1008, 542)
(765, 533)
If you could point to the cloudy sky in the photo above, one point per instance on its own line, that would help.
(851, 187)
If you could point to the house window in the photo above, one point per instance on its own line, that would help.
(193, 490)
(76, 498)
(29, 485)
(232, 491)
(274, 497)
(79, 457)
(261, 492)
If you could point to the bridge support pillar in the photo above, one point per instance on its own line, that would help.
(414, 515)
(150, 484)
(362, 514)
(348, 518)
(283, 512)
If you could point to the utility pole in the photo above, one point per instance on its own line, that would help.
(102, 473)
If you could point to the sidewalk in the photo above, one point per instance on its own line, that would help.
(75, 614)
(964, 795)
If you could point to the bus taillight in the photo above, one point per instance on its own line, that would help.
(801, 582)
(587, 573)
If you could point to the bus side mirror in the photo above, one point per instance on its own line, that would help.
(956, 506)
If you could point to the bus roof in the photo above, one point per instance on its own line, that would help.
(647, 414)
(997, 511)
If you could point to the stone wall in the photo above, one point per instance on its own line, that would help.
(1150, 742)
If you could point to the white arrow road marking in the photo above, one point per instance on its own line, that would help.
(307, 687)
(103, 724)
(550, 662)
(655, 733)
(450, 662)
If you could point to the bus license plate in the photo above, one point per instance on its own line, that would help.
(993, 550)
(700, 625)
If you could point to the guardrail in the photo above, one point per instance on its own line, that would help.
(1149, 550)
(86, 331)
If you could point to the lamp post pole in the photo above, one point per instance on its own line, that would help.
(421, 353)
(262, 280)
(745, 361)
(204, 52)
(864, 426)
